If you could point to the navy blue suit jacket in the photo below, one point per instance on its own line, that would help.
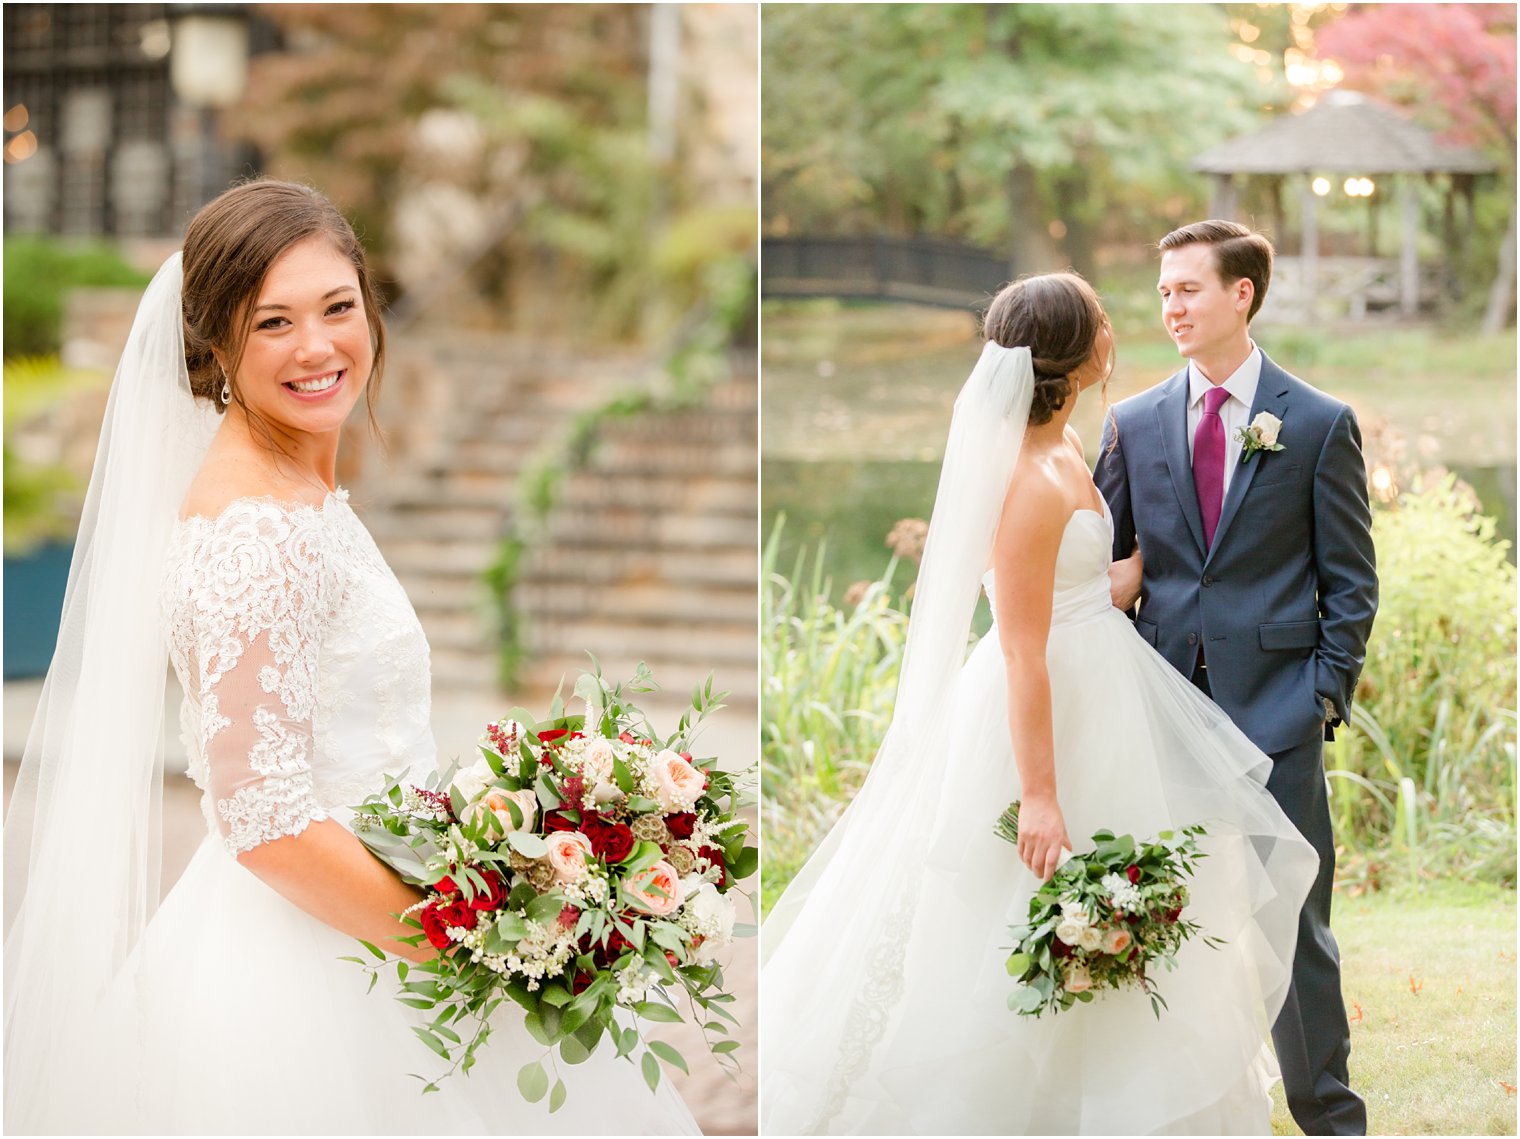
(1283, 601)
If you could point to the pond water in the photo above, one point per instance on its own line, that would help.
(855, 404)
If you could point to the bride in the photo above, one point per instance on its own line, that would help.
(885, 991)
(213, 532)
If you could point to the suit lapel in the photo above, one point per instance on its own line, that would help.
(1271, 397)
(1171, 419)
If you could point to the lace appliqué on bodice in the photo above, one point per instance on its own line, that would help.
(304, 668)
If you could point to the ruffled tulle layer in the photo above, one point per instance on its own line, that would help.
(236, 1016)
(928, 1045)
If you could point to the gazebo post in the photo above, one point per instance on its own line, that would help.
(1279, 219)
(1409, 253)
(1310, 255)
(1223, 205)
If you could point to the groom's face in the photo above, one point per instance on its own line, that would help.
(1202, 313)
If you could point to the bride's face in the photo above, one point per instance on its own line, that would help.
(308, 354)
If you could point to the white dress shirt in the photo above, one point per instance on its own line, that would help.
(1235, 411)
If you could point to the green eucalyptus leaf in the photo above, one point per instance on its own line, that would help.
(533, 1081)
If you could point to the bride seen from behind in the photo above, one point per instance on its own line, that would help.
(885, 989)
(215, 535)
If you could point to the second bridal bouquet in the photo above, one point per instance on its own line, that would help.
(581, 866)
(1103, 919)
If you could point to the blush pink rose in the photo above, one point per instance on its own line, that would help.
(568, 851)
(1078, 980)
(657, 890)
(496, 801)
(1116, 940)
(678, 784)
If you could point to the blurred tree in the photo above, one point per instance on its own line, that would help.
(1040, 129)
(554, 175)
(1453, 67)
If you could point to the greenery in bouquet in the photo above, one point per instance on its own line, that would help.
(1104, 920)
(581, 866)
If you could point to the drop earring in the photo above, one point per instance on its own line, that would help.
(226, 392)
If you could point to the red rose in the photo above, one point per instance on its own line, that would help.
(1173, 915)
(445, 885)
(1059, 948)
(458, 914)
(556, 821)
(1134, 874)
(681, 824)
(715, 856)
(582, 982)
(553, 734)
(432, 926)
(609, 840)
(494, 894)
(568, 916)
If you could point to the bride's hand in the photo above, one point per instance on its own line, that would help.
(1042, 835)
(1124, 581)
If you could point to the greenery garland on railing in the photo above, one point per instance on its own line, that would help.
(695, 361)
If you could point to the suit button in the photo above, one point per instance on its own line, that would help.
(1207, 581)
(1192, 638)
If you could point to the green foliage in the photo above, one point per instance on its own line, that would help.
(41, 500)
(830, 680)
(989, 121)
(1426, 786)
(39, 271)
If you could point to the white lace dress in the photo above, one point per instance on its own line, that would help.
(306, 678)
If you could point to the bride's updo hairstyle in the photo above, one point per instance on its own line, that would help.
(1056, 316)
(229, 247)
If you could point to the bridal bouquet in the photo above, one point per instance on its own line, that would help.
(580, 866)
(1103, 919)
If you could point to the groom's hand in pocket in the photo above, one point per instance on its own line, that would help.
(1042, 835)
(1124, 581)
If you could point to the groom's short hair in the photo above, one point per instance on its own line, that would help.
(1238, 252)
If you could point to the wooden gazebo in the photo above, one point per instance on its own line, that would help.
(1343, 134)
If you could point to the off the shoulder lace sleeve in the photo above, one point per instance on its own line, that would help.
(257, 595)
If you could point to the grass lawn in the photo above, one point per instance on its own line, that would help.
(1429, 980)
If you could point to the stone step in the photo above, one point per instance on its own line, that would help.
(583, 526)
(735, 605)
(599, 635)
(717, 492)
(717, 567)
(675, 678)
(417, 557)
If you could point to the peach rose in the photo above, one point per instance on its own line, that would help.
(597, 760)
(568, 851)
(678, 783)
(1115, 940)
(1078, 979)
(496, 801)
(657, 890)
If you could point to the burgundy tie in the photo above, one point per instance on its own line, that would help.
(1208, 461)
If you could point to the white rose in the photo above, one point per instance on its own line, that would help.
(472, 781)
(712, 915)
(678, 784)
(1091, 938)
(1078, 979)
(1266, 426)
(1075, 912)
(1069, 931)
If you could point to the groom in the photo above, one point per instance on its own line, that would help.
(1246, 493)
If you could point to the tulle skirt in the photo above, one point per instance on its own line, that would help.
(929, 1045)
(236, 1016)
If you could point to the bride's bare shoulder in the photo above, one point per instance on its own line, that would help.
(222, 481)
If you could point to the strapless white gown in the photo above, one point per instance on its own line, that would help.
(307, 677)
(915, 1037)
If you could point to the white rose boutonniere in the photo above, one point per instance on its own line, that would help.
(1261, 435)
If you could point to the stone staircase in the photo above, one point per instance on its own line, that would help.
(651, 553)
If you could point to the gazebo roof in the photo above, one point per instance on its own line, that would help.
(1342, 133)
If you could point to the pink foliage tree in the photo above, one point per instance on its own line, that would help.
(1453, 67)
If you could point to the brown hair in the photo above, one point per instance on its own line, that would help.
(1238, 252)
(229, 247)
(1057, 316)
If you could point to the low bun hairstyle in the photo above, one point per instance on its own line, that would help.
(229, 247)
(1057, 316)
